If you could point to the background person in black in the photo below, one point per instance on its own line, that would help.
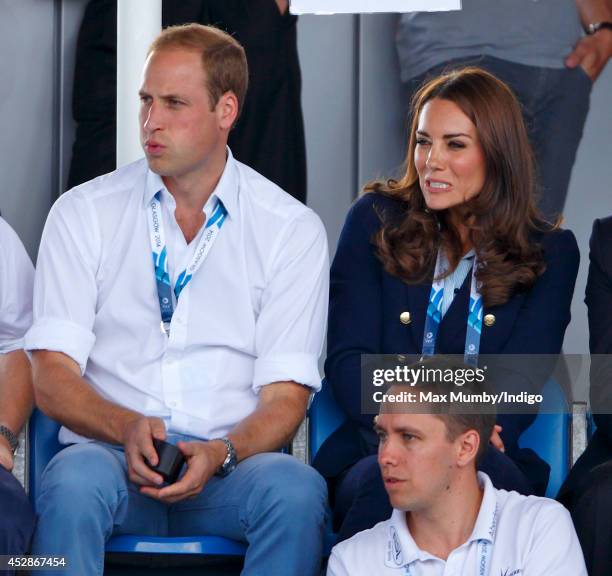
(269, 136)
(587, 492)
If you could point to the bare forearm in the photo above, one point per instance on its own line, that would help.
(16, 393)
(65, 396)
(592, 11)
(280, 411)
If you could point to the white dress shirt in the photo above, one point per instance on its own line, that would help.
(16, 285)
(524, 536)
(253, 314)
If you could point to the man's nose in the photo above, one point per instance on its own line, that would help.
(387, 453)
(151, 117)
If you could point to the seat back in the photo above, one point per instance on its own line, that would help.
(324, 418)
(44, 445)
(548, 436)
(42, 438)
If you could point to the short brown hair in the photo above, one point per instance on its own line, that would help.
(223, 58)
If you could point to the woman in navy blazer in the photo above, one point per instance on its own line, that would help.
(468, 192)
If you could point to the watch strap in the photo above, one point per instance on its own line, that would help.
(231, 460)
(10, 436)
(596, 26)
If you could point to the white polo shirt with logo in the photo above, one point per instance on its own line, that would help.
(514, 535)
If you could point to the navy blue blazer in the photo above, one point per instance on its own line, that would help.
(364, 318)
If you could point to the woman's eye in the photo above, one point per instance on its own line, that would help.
(456, 144)
(422, 141)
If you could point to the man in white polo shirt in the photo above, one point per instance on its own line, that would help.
(212, 344)
(447, 518)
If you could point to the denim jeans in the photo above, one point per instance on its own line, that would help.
(16, 517)
(555, 104)
(271, 501)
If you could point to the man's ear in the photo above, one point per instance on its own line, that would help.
(227, 110)
(467, 447)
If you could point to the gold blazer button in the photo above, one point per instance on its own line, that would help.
(405, 318)
(489, 319)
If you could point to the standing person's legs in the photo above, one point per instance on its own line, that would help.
(273, 502)
(85, 497)
(16, 517)
(555, 105)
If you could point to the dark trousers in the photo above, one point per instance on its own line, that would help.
(16, 517)
(555, 105)
(361, 500)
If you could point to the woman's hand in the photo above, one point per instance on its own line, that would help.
(496, 440)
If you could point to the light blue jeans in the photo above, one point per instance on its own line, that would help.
(271, 501)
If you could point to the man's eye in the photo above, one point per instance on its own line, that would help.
(407, 436)
(174, 103)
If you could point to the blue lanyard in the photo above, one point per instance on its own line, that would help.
(160, 256)
(434, 316)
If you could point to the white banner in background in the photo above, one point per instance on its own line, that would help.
(369, 6)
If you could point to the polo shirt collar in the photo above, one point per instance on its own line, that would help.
(226, 189)
(401, 549)
(486, 522)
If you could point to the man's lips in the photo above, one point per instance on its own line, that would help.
(153, 147)
(392, 480)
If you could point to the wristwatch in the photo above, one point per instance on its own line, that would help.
(230, 462)
(12, 439)
(595, 26)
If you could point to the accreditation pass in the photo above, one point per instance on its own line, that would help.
(31, 563)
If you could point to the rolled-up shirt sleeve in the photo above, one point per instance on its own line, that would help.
(16, 284)
(65, 286)
(291, 324)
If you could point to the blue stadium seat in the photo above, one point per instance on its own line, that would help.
(549, 435)
(43, 446)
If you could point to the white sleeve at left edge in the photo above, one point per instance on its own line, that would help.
(291, 325)
(16, 288)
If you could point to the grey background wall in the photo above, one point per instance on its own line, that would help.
(352, 108)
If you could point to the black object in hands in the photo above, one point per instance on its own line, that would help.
(171, 461)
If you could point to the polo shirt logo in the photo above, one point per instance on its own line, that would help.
(507, 572)
(397, 547)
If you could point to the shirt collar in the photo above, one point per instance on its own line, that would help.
(486, 522)
(401, 548)
(226, 189)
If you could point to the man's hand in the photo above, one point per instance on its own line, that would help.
(592, 53)
(6, 454)
(496, 440)
(138, 444)
(203, 459)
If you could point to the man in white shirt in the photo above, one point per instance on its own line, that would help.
(213, 345)
(447, 518)
(16, 395)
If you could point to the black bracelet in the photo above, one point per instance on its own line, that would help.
(10, 436)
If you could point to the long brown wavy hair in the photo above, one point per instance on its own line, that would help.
(501, 219)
